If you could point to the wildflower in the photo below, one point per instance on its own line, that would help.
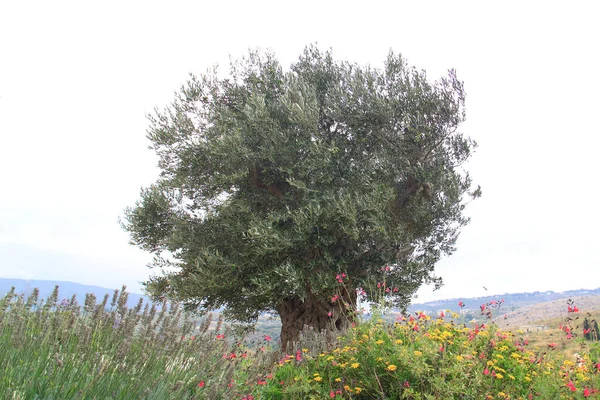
(379, 341)
(355, 365)
(398, 341)
(486, 371)
(318, 379)
(499, 376)
(406, 384)
(357, 390)
(201, 384)
(418, 353)
(330, 314)
(220, 336)
(332, 394)
(461, 304)
(261, 382)
(335, 298)
(268, 338)
(391, 367)
(571, 386)
(298, 356)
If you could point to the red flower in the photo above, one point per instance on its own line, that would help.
(298, 356)
(332, 394)
(220, 336)
(406, 384)
(486, 371)
(461, 304)
(586, 331)
(586, 392)
(261, 382)
(201, 384)
(571, 386)
(268, 338)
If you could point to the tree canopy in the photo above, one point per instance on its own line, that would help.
(274, 181)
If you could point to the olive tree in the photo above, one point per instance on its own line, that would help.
(294, 191)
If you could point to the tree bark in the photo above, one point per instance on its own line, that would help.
(297, 314)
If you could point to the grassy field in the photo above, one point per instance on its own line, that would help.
(59, 349)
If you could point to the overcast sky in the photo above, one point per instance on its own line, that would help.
(77, 79)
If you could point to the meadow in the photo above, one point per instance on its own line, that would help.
(59, 349)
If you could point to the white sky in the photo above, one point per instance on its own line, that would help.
(77, 78)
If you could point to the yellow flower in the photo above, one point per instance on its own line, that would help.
(347, 387)
(379, 359)
(391, 367)
(365, 336)
(418, 353)
(305, 350)
(459, 358)
(499, 376)
(357, 390)
(398, 341)
(318, 379)
(379, 341)
(338, 379)
(355, 365)
(502, 395)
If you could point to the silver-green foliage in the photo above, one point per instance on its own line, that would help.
(273, 181)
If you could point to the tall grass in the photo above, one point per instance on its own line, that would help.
(51, 349)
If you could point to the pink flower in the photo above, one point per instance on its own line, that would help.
(335, 298)
(220, 336)
(330, 314)
(201, 384)
(486, 371)
(332, 394)
(268, 338)
(298, 356)
(571, 386)
(461, 304)
(406, 384)
(261, 382)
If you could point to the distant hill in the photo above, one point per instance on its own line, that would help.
(65, 290)
(520, 308)
(512, 301)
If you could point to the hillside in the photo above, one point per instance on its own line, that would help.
(540, 314)
(512, 301)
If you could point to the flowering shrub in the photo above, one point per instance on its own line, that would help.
(433, 358)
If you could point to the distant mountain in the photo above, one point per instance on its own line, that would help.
(512, 301)
(65, 290)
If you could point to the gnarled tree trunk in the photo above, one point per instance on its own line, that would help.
(297, 314)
